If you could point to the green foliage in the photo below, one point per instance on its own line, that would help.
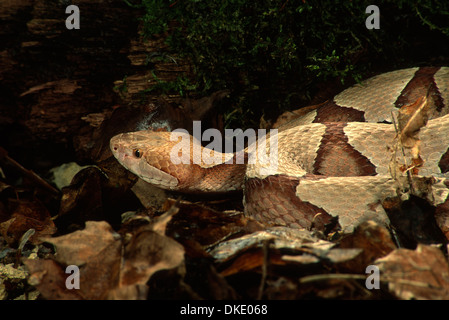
(271, 53)
(122, 88)
(179, 86)
(434, 14)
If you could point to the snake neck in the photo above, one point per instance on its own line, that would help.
(221, 178)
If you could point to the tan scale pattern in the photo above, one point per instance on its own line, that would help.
(373, 140)
(377, 95)
(442, 82)
(295, 159)
(354, 200)
(435, 143)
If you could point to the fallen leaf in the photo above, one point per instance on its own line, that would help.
(373, 238)
(49, 278)
(62, 175)
(203, 223)
(247, 252)
(416, 274)
(414, 220)
(83, 197)
(95, 250)
(28, 215)
(146, 253)
(150, 196)
(91, 196)
(411, 118)
(79, 247)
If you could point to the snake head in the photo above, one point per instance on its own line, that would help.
(174, 161)
(146, 154)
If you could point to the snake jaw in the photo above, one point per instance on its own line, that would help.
(157, 177)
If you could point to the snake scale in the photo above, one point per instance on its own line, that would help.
(344, 158)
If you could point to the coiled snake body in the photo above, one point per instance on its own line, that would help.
(385, 138)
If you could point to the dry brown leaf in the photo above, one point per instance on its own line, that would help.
(159, 225)
(95, 250)
(106, 270)
(150, 196)
(373, 238)
(83, 196)
(28, 215)
(280, 237)
(203, 223)
(247, 252)
(49, 278)
(81, 246)
(416, 274)
(251, 260)
(411, 118)
(414, 220)
(146, 253)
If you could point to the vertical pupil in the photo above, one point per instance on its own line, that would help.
(137, 153)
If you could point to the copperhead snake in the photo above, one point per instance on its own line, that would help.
(342, 159)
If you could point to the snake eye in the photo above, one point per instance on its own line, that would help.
(137, 153)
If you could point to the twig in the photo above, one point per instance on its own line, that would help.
(350, 276)
(399, 143)
(283, 6)
(415, 114)
(265, 250)
(28, 173)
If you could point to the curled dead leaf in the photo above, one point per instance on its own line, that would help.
(146, 253)
(411, 118)
(416, 274)
(49, 278)
(28, 215)
(95, 251)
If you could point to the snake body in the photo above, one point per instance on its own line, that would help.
(339, 159)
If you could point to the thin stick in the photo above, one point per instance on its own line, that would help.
(266, 245)
(349, 276)
(28, 173)
(399, 142)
